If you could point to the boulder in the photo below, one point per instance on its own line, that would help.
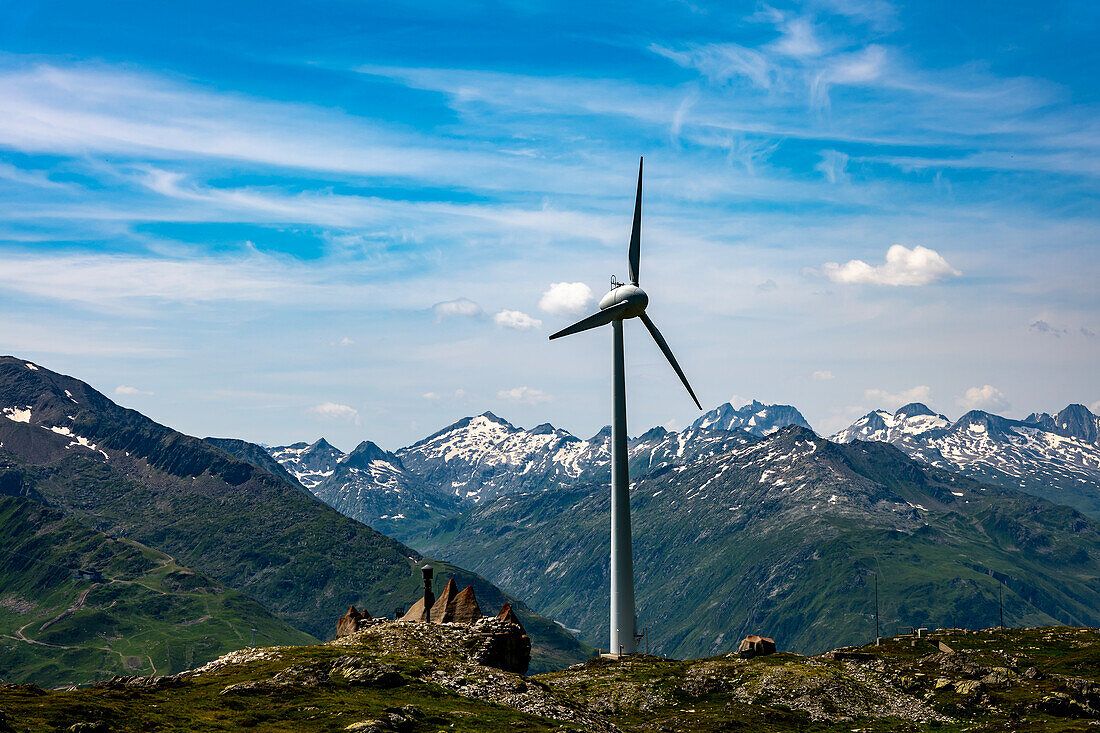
(756, 646)
(350, 622)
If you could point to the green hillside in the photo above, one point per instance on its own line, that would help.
(221, 516)
(150, 615)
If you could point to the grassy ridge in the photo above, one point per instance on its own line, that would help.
(152, 616)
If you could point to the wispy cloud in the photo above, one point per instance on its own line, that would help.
(124, 390)
(462, 307)
(524, 396)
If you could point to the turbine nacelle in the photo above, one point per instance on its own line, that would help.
(633, 298)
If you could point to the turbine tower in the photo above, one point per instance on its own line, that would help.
(624, 301)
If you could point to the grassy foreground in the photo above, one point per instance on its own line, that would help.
(409, 677)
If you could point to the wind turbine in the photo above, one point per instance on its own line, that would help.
(624, 301)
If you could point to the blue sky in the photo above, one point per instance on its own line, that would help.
(361, 220)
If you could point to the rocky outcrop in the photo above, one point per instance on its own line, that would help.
(351, 622)
(756, 646)
(501, 644)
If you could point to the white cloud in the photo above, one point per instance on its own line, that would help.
(431, 396)
(799, 40)
(461, 307)
(767, 286)
(123, 389)
(1095, 407)
(343, 342)
(336, 411)
(920, 393)
(565, 298)
(833, 165)
(524, 396)
(903, 266)
(986, 397)
(516, 319)
(823, 375)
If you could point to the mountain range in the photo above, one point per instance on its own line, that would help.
(751, 522)
(746, 521)
(784, 536)
(1056, 457)
(116, 472)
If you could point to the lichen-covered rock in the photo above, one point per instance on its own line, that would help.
(968, 688)
(96, 726)
(1061, 705)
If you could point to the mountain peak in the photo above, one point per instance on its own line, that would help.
(913, 409)
(364, 453)
(488, 414)
(756, 417)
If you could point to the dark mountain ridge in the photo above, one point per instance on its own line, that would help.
(129, 476)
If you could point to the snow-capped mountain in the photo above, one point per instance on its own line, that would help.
(476, 459)
(1055, 457)
(310, 463)
(764, 533)
(486, 456)
(368, 484)
(1076, 421)
(373, 486)
(909, 424)
(755, 417)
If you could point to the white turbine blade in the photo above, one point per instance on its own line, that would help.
(596, 319)
(668, 355)
(635, 252)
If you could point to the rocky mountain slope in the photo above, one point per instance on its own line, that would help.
(475, 459)
(783, 536)
(123, 474)
(1056, 457)
(408, 678)
(142, 614)
(368, 484)
(755, 417)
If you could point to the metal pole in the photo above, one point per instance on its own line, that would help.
(1000, 602)
(622, 561)
(878, 634)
